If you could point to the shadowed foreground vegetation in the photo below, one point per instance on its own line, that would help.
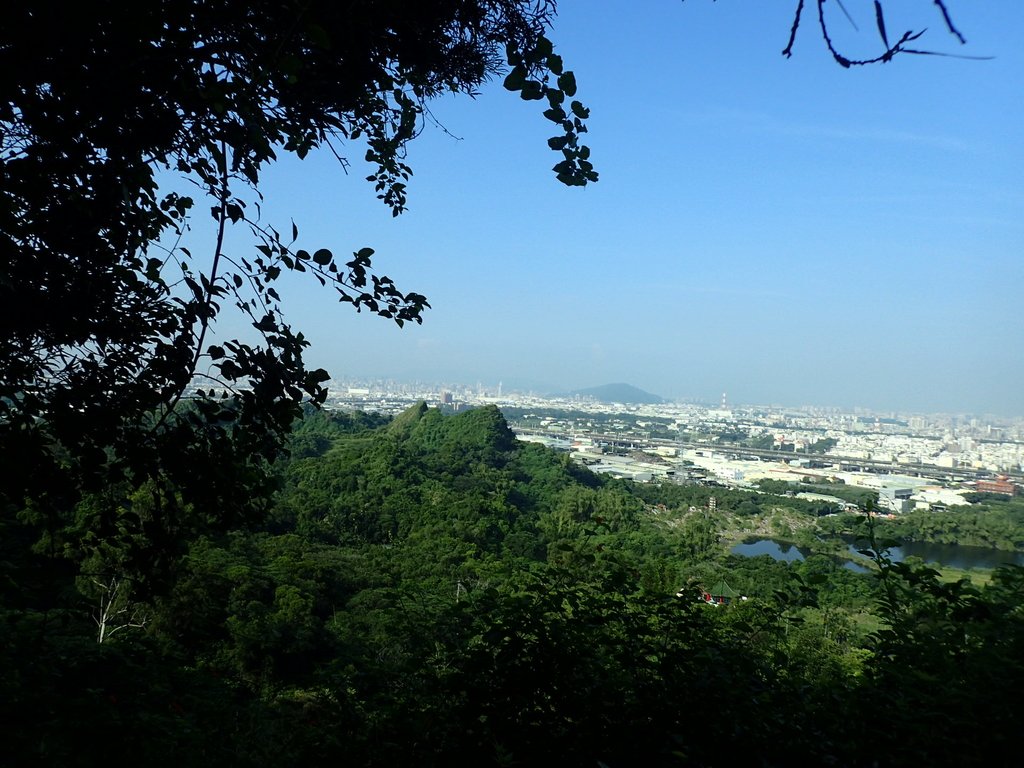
(430, 591)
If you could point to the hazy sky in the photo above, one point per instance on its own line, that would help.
(784, 230)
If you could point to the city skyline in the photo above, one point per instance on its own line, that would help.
(496, 389)
(786, 230)
(943, 446)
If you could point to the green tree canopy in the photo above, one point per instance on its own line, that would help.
(105, 320)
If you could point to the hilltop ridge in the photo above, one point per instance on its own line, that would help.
(618, 393)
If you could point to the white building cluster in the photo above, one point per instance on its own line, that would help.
(911, 460)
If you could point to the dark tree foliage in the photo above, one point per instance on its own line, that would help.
(403, 608)
(105, 320)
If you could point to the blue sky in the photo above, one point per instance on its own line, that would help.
(784, 230)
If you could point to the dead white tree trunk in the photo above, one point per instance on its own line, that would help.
(116, 610)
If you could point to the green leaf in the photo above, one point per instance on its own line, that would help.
(567, 82)
(266, 323)
(318, 35)
(532, 91)
(579, 110)
(318, 376)
(512, 54)
(153, 269)
(543, 50)
(555, 114)
(516, 79)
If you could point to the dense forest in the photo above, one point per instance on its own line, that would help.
(429, 591)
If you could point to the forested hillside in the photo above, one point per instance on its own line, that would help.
(430, 591)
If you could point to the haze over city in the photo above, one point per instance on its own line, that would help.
(783, 229)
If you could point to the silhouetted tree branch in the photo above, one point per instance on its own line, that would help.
(891, 50)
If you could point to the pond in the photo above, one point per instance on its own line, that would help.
(951, 555)
(777, 550)
(781, 550)
(955, 555)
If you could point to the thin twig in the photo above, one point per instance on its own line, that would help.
(204, 320)
(949, 22)
(788, 50)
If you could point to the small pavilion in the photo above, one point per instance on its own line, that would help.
(720, 594)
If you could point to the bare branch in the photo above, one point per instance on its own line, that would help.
(846, 13)
(949, 22)
(788, 50)
(891, 50)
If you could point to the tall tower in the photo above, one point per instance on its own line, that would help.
(499, 389)
(725, 406)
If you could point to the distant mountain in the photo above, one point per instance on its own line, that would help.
(618, 393)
